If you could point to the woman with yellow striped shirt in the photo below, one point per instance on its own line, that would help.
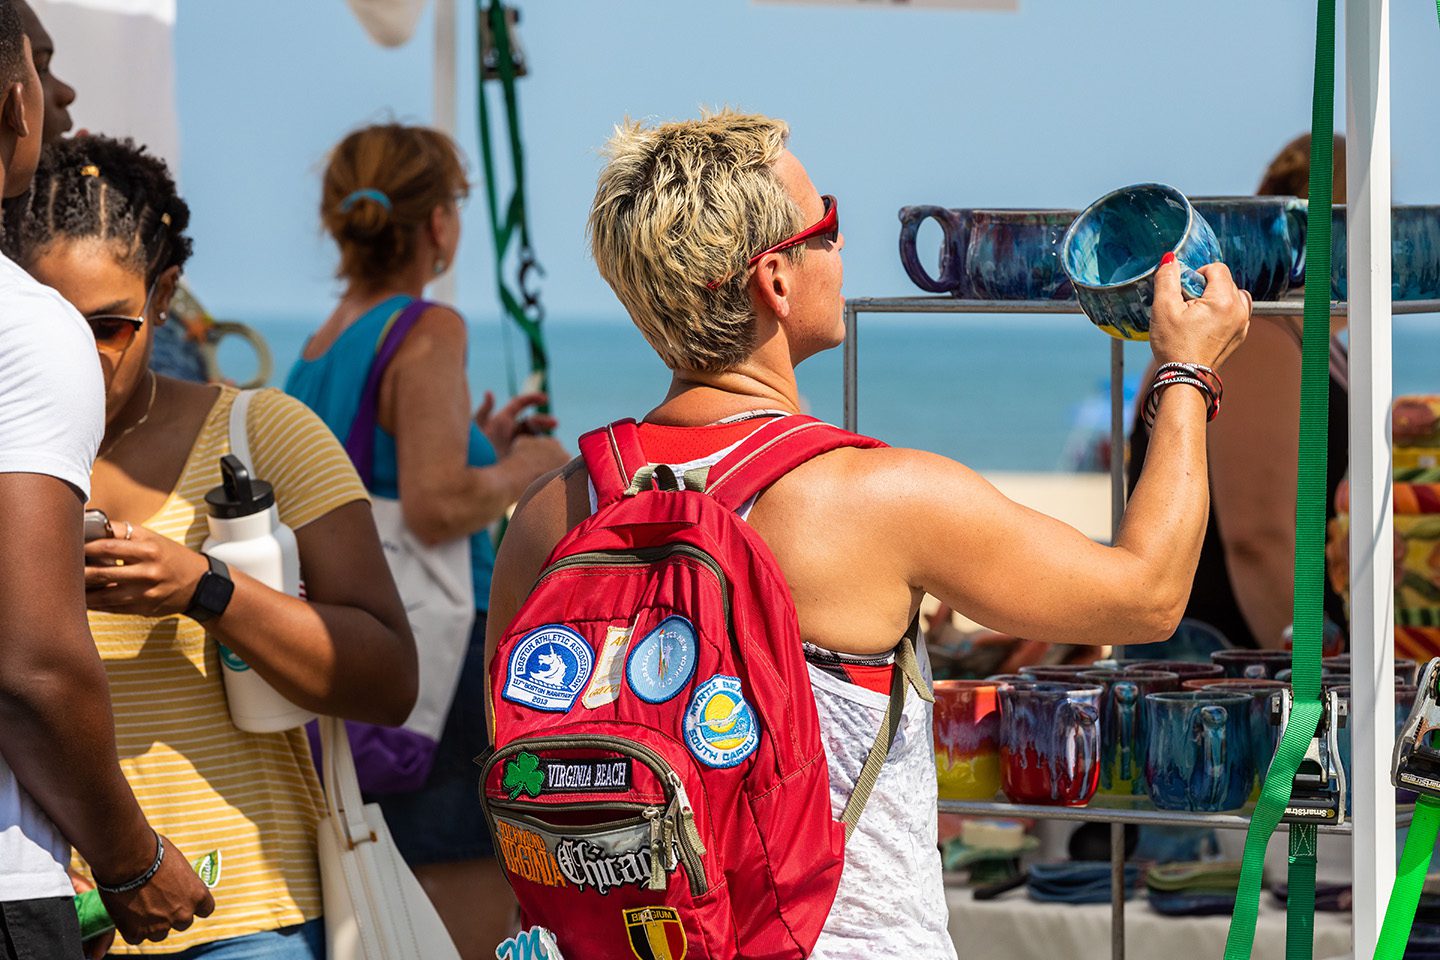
(104, 226)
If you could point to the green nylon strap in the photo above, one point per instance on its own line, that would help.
(512, 227)
(1414, 864)
(1309, 530)
(1300, 900)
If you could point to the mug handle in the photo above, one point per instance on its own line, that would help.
(1213, 749)
(951, 265)
(1297, 222)
(1127, 699)
(1084, 720)
(1192, 284)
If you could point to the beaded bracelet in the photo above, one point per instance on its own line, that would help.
(1174, 376)
(144, 878)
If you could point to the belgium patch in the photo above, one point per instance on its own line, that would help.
(656, 933)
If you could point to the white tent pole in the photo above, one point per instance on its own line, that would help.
(446, 79)
(1372, 613)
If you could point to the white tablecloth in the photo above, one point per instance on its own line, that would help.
(1014, 927)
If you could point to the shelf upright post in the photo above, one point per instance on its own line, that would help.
(1117, 512)
(1372, 614)
(852, 365)
(446, 74)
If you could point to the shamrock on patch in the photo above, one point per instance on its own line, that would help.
(524, 773)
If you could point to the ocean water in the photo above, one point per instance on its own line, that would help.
(994, 392)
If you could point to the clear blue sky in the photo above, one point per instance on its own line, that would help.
(1048, 107)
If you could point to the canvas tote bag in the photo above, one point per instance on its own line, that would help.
(375, 909)
(439, 596)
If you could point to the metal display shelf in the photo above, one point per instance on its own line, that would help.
(1116, 816)
(1105, 810)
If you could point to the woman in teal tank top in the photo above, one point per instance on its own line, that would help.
(391, 200)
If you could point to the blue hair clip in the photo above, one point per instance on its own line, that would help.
(365, 193)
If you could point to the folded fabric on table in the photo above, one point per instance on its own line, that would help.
(1210, 876)
(1192, 903)
(1329, 897)
(1080, 881)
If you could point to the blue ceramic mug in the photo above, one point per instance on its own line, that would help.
(1199, 754)
(1050, 742)
(1414, 253)
(1123, 728)
(955, 227)
(1112, 250)
(1405, 694)
(1258, 240)
(1015, 255)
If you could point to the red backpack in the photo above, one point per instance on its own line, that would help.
(658, 787)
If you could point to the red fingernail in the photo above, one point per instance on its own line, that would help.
(1168, 258)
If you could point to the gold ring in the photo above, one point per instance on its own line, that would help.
(129, 529)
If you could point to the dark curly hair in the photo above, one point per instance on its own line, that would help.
(99, 188)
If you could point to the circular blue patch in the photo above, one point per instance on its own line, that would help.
(720, 726)
(548, 668)
(663, 662)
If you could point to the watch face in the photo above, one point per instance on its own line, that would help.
(212, 596)
(663, 662)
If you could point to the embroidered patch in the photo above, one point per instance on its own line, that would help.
(605, 685)
(548, 669)
(525, 855)
(523, 775)
(601, 861)
(656, 933)
(664, 661)
(588, 776)
(720, 726)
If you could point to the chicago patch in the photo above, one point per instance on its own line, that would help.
(663, 662)
(720, 726)
(548, 669)
(656, 933)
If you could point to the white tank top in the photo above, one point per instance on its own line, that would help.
(891, 901)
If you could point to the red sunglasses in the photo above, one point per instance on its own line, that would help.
(827, 227)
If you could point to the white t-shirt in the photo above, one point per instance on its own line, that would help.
(52, 416)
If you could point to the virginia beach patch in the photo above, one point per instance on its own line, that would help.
(656, 933)
(588, 776)
(548, 669)
(610, 671)
(663, 662)
(720, 726)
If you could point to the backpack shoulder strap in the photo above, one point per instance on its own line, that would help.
(613, 456)
(360, 441)
(773, 451)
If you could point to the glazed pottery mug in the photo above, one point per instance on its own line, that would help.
(1199, 754)
(1404, 700)
(1187, 670)
(967, 739)
(1050, 742)
(1414, 253)
(1058, 672)
(1112, 250)
(955, 226)
(1257, 240)
(1123, 727)
(1407, 671)
(1263, 734)
(1193, 640)
(1015, 255)
(1252, 664)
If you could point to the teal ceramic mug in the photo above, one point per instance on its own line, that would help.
(1199, 756)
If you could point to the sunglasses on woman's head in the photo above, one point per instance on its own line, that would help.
(114, 332)
(826, 228)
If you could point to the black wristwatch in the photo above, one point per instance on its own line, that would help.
(212, 593)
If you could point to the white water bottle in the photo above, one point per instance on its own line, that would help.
(246, 533)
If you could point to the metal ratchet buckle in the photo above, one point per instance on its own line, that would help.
(1417, 764)
(1318, 793)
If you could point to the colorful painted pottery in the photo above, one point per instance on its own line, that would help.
(1414, 253)
(1192, 640)
(1263, 734)
(967, 739)
(1057, 672)
(1405, 694)
(1252, 664)
(1199, 756)
(1015, 255)
(1050, 743)
(1407, 671)
(1257, 242)
(1123, 728)
(955, 226)
(1112, 250)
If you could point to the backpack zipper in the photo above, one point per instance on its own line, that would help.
(644, 556)
(676, 822)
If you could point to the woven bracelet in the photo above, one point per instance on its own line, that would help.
(144, 878)
(1152, 401)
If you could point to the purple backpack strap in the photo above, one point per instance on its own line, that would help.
(360, 441)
